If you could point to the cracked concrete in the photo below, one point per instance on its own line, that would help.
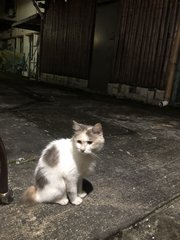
(137, 175)
(164, 224)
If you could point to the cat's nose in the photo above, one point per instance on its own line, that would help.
(82, 149)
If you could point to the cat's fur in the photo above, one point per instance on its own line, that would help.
(63, 165)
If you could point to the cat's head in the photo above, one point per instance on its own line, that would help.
(88, 139)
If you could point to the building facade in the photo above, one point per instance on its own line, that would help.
(129, 49)
(21, 39)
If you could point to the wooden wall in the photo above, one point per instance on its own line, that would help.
(145, 33)
(67, 38)
(143, 40)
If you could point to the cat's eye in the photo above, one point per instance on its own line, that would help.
(79, 141)
(89, 142)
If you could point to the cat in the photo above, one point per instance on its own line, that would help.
(63, 164)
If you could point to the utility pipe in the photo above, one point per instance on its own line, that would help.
(6, 195)
(37, 8)
(40, 35)
(172, 66)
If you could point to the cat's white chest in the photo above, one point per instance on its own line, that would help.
(72, 162)
(67, 164)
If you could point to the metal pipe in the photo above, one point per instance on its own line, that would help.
(37, 8)
(163, 103)
(40, 38)
(6, 195)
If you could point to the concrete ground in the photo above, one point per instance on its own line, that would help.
(134, 193)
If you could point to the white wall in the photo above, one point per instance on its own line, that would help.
(25, 9)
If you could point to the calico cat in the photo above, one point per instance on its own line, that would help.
(63, 165)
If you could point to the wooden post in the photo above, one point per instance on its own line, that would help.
(172, 64)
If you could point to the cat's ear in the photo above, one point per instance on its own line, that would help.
(76, 126)
(97, 128)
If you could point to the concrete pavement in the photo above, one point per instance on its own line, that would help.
(135, 191)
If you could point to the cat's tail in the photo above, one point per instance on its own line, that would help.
(29, 195)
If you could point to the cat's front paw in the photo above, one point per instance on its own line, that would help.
(82, 194)
(77, 201)
(63, 201)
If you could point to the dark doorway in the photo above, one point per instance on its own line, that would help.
(104, 38)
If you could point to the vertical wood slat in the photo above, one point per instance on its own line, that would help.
(121, 49)
(136, 32)
(143, 49)
(139, 40)
(154, 47)
(153, 25)
(170, 37)
(163, 41)
(67, 38)
(126, 38)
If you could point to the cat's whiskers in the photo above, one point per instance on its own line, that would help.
(95, 155)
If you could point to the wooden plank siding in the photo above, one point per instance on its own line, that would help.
(144, 39)
(142, 47)
(67, 38)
